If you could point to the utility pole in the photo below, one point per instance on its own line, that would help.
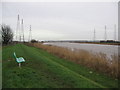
(22, 30)
(94, 38)
(30, 34)
(105, 34)
(18, 28)
(115, 32)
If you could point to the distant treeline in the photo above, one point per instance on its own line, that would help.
(84, 41)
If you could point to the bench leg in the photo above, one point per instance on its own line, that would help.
(19, 65)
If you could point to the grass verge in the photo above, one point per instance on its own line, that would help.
(44, 70)
(97, 62)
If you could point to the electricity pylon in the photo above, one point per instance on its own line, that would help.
(105, 35)
(18, 28)
(94, 37)
(115, 32)
(30, 35)
(22, 31)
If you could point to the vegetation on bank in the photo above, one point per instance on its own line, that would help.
(45, 70)
(97, 62)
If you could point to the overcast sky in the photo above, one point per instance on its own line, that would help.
(63, 20)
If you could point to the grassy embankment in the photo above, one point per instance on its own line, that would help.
(44, 70)
(98, 62)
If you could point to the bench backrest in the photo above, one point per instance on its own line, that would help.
(14, 55)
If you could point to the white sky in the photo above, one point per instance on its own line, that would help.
(63, 20)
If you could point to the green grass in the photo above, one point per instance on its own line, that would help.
(44, 70)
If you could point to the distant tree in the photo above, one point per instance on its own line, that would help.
(33, 41)
(6, 33)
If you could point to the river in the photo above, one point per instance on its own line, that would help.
(109, 50)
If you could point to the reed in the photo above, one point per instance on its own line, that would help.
(98, 62)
